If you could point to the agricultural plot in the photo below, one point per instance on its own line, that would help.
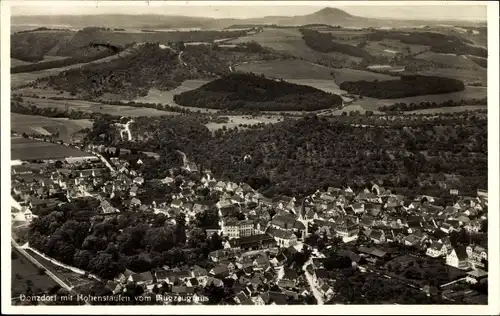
(26, 275)
(466, 75)
(89, 106)
(290, 41)
(389, 47)
(287, 69)
(467, 94)
(167, 97)
(20, 79)
(326, 85)
(30, 124)
(16, 62)
(238, 120)
(348, 74)
(448, 59)
(29, 149)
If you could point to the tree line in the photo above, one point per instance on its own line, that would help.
(402, 106)
(407, 86)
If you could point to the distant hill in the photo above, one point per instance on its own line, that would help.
(331, 16)
(251, 92)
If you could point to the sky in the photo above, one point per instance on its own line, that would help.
(249, 10)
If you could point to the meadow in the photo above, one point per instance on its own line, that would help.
(167, 97)
(237, 120)
(31, 124)
(466, 75)
(348, 74)
(469, 93)
(25, 274)
(90, 106)
(30, 149)
(19, 79)
(448, 59)
(289, 40)
(288, 69)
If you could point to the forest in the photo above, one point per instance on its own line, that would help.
(74, 233)
(402, 106)
(251, 92)
(323, 42)
(285, 160)
(407, 86)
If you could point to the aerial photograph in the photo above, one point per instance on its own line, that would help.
(245, 154)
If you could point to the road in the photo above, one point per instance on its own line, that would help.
(180, 59)
(104, 160)
(316, 293)
(47, 271)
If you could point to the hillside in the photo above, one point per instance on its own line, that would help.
(299, 156)
(151, 66)
(33, 46)
(252, 92)
(407, 86)
(324, 43)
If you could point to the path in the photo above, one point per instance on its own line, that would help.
(316, 293)
(180, 59)
(47, 271)
(184, 157)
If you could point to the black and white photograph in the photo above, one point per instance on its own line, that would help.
(211, 155)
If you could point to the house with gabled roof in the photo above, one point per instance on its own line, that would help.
(458, 258)
(377, 236)
(145, 278)
(437, 249)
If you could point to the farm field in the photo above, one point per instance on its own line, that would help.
(466, 75)
(348, 74)
(448, 59)
(16, 62)
(30, 124)
(51, 58)
(287, 69)
(47, 92)
(236, 120)
(20, 79)
(30, 149)
(89, 106)
(290, 41)
(389, 47)
(326, 85)
(25, 274)
(468, 93)
(167, 97)
(67, 276)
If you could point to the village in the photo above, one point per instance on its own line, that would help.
(274, 249)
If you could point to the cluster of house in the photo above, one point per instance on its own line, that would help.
(41, 185)
(252, 276)
(254, 225)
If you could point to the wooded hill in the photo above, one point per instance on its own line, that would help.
(251, 92)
